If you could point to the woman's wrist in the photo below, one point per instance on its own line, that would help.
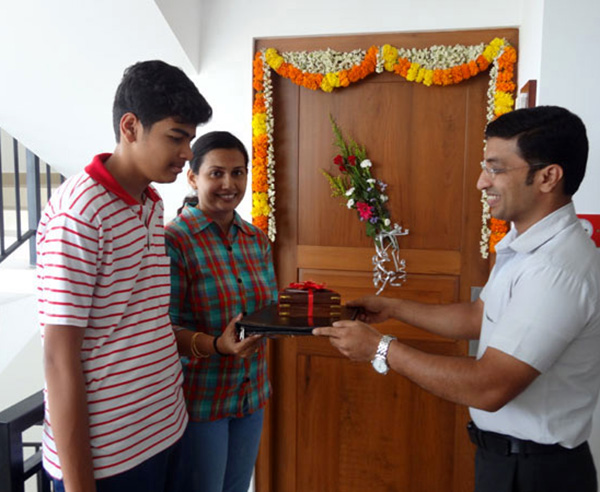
(216, 346)
(196, 352)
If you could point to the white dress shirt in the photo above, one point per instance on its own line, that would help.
(542, 306)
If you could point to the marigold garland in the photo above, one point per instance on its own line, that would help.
(329, 69)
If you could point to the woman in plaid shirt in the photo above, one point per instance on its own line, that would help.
(221, 269)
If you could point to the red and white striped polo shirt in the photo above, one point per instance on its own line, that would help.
(102, 266)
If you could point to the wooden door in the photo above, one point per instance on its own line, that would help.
(335, 425)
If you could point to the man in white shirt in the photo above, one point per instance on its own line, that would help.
(534, 384)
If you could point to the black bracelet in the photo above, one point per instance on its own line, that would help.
(217, 351)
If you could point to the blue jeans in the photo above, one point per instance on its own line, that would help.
(161, 473)
(219, 456)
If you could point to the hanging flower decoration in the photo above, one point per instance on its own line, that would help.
(329, 69)
(356, 185)
(263, 162)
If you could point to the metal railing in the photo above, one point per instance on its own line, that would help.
(15, 470)
(34, 206)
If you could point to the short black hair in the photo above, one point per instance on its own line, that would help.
(547, 135)
(154, 90)
(212, 141)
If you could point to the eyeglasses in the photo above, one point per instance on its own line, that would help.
(492, 172)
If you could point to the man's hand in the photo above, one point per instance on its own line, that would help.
(229, 342)
(354, 339)
(374, 309)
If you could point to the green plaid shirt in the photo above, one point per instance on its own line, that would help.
(214, 277)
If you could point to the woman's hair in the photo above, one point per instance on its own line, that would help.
(206, 143)
(213, 141)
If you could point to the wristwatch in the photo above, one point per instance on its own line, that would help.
(379, 362)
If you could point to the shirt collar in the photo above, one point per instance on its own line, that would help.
(202, 221)
(540, 232)
(97, 171)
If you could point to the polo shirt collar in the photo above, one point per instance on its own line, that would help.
(202, 221)
(97, 171)
(540, 232)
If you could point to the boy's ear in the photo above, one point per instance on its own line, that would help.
(129, 127)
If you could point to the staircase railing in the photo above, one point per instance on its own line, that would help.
(14, 469)
(34, 187)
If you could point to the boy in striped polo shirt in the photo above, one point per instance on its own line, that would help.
(114, 405)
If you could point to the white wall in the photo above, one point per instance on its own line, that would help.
(569, 77)
(60, 63)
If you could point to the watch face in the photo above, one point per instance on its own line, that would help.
(380, 365)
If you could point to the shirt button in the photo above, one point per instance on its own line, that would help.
(244, 313)
(239, 280)
(229, 248)
(246, 380)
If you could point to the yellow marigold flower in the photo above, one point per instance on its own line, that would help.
(491, 50)
(420, 75)
(390, 56)
(259, 124)
(325, 85)
(333, 78)
(273, 58)
(428, 77)
(412, 72)
(260, 204)
(503, 102)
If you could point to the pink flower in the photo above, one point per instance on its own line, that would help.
(364, 210)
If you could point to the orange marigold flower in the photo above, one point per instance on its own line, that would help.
(402, 67)
(343, 76)
(259, 181)
(473, 68)
(259, 152)
(259, 103)
(354, 73)
(494, 239)
(506, 86)
(498, 226)
(465, 71)
(508, 57)
(457, 74)
(482, 63)
(260, 141)
(370, 61)
(505, 76)
(261, 222)
(447, 76)
(258, 72)
(437, 76)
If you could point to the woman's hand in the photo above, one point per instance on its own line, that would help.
(230, 344)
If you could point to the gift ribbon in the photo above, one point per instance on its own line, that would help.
(309, 286)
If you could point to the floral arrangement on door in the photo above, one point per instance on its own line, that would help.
(329, 70)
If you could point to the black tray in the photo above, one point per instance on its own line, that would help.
(266, 321)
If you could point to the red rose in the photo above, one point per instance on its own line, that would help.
(338, 160)
(352, 160)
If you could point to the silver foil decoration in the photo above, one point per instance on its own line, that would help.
(387, 251)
